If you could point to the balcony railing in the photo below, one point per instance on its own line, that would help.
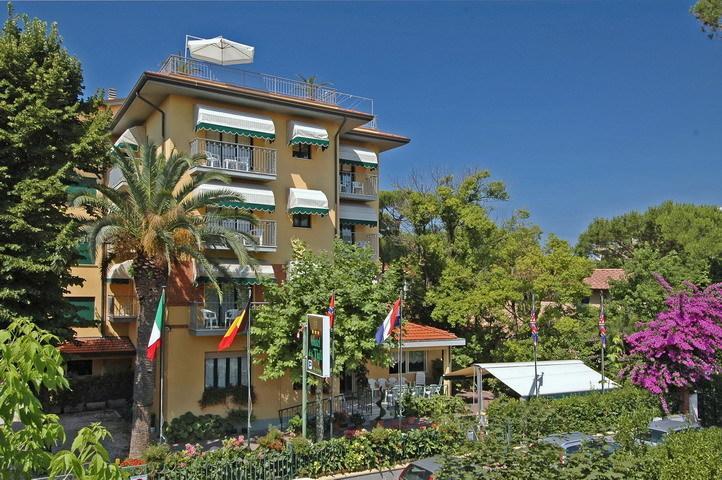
(264, 232)
(122, 308)
(235, 158)
(213, 318)
(267, 83)
(115, 177)
(370, 241)
(355, 184)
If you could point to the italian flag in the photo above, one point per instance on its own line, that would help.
(154, 341)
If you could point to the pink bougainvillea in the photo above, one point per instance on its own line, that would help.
(680, 346)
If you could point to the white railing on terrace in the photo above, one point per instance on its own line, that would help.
(236, 157)
(264, 232)
(213, 318)
(268, 83)
(123, 307)
(355, 183)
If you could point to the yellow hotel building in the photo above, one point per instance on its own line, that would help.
(305, 157)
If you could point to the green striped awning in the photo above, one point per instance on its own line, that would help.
(255, 197)
(307, 202)
(358, 156)
(243, 274)
(299, 132)
(132, 138)
(235, 123)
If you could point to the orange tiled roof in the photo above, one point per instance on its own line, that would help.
(414, 332)
(86, 345)
(599, 279)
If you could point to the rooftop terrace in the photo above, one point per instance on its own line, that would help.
(320, 93)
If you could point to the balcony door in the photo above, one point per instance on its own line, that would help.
(234, 299)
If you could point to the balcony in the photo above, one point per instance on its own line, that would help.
(358, 186)
(268, 83)
(235, 159)
(264, 233)
(370, 241)
(213, 318)
(123, 308)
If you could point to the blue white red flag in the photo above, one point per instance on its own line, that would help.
(331, 312)
(392, 320)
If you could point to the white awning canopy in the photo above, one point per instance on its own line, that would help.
(220, 51)
(119, 272)
(232, 122)
(307, 202)
(299, 132)
(358, 156)
(556, 377)
(358, 214)
(254, 197)
(134, 137)
(245, 274)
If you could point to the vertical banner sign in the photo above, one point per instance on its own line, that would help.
(319, 345)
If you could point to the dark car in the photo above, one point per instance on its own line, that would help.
(659, 428)
(421, 469)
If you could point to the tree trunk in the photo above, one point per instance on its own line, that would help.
(149, 282)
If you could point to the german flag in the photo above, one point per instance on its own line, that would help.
(239, 323)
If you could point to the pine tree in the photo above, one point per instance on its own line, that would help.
(48, 133)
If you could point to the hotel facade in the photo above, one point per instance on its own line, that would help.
(306, 159)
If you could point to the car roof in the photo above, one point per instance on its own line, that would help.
(431, 464)
(667, 425)
(562, 439)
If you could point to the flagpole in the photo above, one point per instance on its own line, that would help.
(304, 380)
(535, 338)
(330, 423)
(402, 296)
(602, 334)
(249, 404)
(161, 437)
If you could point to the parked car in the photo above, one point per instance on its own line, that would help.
(421, 469)
(572, 442)
(659, 428)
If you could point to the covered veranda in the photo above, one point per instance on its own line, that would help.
(554, 378)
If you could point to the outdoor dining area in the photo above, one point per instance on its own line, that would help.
(390, 391)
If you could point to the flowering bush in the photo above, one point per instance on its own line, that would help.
(680, 347)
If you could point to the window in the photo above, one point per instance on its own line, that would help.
(225, 371)
(85, 310)
(302, 221)
(347, 232)
(413, 362)
(76, 368)
(302, 150)
(83, 251)
(417, 361)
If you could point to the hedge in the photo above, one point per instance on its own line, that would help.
(96, 388)
(591, 413)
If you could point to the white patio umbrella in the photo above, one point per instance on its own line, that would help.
(221, 51)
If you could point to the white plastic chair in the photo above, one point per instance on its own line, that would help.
(393, 381)
(231, 315)
(358, 187)
(244, 159)
(421, 378)
(210, 319)
(382, 383)
(212, 160)
(372, 387)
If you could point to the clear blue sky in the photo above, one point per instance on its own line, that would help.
(584, 109)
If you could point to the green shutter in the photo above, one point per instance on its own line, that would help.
(85, 306)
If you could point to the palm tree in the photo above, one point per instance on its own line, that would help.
(158, 222)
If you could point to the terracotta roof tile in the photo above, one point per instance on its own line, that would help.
(416, 332)
(599, 279)
(87, 345)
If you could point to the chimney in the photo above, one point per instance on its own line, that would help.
(112, 94)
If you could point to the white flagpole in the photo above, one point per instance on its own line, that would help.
(249, 405)
(163, 347)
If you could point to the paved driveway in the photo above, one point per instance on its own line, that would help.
(384, 475)
(110, 419)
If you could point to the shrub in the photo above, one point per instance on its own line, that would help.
(221, 395)
(189, 428)
(96, 388)
(273, 440)
(592, 413)
(295, 424)
(435, 407)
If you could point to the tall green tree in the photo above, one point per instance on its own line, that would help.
(709, 14)
(47, 132)
(30, 363)
(159, 221)
(362, 300)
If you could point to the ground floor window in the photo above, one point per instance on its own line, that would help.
(78, 368)
(347, 232)
(225, 371)
(412, 362)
